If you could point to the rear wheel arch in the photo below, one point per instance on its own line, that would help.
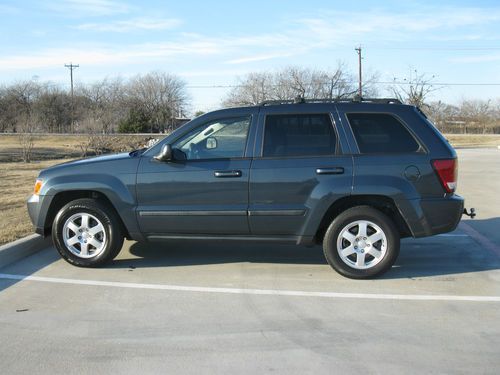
(380, 202)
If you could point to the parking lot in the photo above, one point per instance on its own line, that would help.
(184, 307)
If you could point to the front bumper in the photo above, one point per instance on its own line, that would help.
(37, 213)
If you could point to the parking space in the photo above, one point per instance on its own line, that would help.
(178, 307)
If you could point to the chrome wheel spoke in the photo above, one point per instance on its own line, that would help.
(85, 221)
(362, 228)
(96, 229)
(84, 249)
(375, 253)
(348, 251)
(73, 240)
(375, 237)
(360, 259)
(73, 227)
(348, 236)
(97, 244)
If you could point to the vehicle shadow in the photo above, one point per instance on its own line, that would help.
(473, 247)
(195, 252)
(454, 253)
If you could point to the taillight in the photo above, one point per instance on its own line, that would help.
(447, 170)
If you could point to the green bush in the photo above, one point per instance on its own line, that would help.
(136, 122)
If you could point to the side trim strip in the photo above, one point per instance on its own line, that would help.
(225, 213)
(277, 213)
(192, 213)
(294, 239)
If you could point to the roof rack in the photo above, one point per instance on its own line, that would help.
(300, 100)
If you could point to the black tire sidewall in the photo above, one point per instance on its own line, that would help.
(355, 214)
(104, 215)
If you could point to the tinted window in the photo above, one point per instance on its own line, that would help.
(299, 135)
(381, 133)
(225, 138)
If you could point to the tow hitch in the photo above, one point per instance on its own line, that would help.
(471, 213)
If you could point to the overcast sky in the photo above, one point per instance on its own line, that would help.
(208, 44)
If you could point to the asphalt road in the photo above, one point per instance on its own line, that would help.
(187, 307)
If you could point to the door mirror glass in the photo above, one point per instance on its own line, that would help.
(211, 143)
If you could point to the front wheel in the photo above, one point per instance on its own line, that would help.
(361, 243)
(87, 233)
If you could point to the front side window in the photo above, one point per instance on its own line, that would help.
(299, 135)
(225, 138)
(381, 133)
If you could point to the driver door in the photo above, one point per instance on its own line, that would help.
(204, 190)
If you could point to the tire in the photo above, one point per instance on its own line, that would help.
(361, 243)
(87, 233)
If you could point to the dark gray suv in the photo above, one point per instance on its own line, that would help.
(355, 176)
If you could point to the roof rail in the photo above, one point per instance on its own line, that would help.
(299, 100)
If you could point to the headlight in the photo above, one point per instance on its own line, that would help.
(38, 187)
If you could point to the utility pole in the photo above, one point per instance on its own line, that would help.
(72, 67)
(360, 90)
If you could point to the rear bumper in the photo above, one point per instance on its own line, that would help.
(427, 217)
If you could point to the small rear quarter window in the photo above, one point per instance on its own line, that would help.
(381, 133)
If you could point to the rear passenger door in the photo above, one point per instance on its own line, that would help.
(298, 170)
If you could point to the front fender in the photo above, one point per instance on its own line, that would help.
(120, 191)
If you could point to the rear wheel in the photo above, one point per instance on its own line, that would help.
(87, 233)
(362, 242)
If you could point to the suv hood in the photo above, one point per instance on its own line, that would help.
(89, 161)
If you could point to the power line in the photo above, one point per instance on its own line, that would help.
(437, 48)
(352, 82)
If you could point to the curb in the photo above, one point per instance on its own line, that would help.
(19, 249)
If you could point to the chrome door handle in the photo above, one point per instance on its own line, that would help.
(222, 174)
(334, 170)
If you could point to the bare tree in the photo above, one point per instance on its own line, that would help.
(415, 89)
(253, 89)
(53, 109)
(8, 110)
(444, 116)
(23, 96)
(161, 96)
(290, 82)
(478, 115)
(104, 103)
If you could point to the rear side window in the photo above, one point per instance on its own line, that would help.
(299, 135)
(381, 133)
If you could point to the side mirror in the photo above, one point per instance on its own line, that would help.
(165, 153)
(211, 143)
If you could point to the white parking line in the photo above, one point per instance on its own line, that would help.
(273, 292)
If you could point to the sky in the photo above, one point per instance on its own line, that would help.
(215, 43)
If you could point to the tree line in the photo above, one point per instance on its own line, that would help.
(148, 103)
(153, 102)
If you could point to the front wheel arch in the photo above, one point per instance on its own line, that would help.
(63, 198)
